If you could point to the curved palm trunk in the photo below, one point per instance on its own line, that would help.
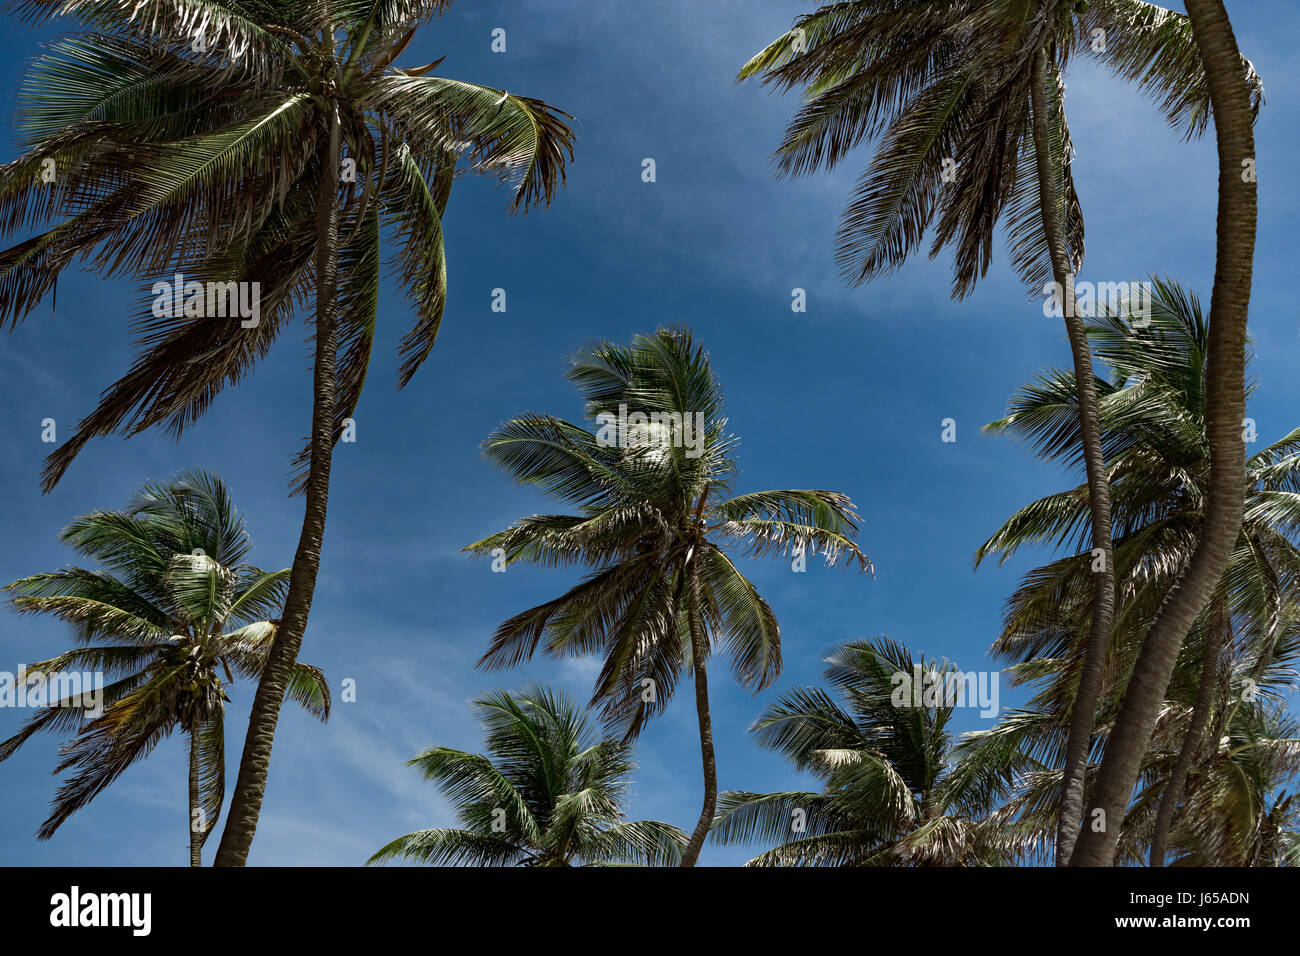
(1083, 714)
(197, 824)
(254, 765)
(1192, 740)
(699, 659)
(1224, 697)
(1225, 407)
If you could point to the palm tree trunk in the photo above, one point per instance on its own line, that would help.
(254, 765)
(197, 823)
(1225, 407)
(699, 658)
(1083, 714)
(1227, 703)
(1193, 739)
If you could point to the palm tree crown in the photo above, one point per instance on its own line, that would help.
(173, 608)
(894, 793)
(656, 521)
(1153, 428)
(195, 139)
(547, 793)
(947, 88)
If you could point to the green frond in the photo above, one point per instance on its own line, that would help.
(1154, 48)
(523, 139)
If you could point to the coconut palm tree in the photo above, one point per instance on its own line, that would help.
(1230, 97)
(893, 795)
(172, 609)
(253, 148)
(546, 793)
(1152, 414)
(1214, 786)
(1240, 634)
(655, 524)
(967, 98)
(1238, 809)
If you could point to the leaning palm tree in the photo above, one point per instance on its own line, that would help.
(1230, 95)
(893, 795)
(253, 148)
(172, 609)
(656, 521)
(547, 793)
(968, 99)
(1152, 413)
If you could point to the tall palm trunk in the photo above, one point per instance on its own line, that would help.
(699, 658)
(1227, 702)
(1193, 739)
(197, 823)
(1225, 407)
(1083, 714)
(254, 765)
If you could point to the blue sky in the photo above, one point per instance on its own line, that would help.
(849, 396)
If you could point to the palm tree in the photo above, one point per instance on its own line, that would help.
(173, 608)
(1239, 636)
(1238, 810)
(1225, 408)
(1214, 783)
(547, 793)
(263, 144)
(1152, 415)
(1241, 813)
(656, 522)
(893, 793)
(968, 98)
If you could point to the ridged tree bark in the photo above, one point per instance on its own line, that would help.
(1223, 690)
(1083, 714)
(254, 764)
(1225, 408)
(1193, 740)
(699, 663)
(197, 825)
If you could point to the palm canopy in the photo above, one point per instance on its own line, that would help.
(1239, 808)
(1242, 809)
(1152, 426)
(893, 794)
(1152, 418)
(172, 608)
(546, 793)
(192, 137)
(1251, 674)
(655, 523)
(945, 87)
